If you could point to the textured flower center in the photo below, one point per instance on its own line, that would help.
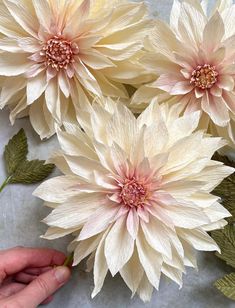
(59, 52)
(204, 76)
(133, 193)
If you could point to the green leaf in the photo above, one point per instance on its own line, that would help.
(226, 285)
(226, 190)
(225, 238)
(30, 172)
(16, 151)
(223, 159)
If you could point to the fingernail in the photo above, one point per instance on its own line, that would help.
(62, 274)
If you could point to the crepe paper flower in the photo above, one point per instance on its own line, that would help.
(135, 193)
(57, 55)
(193, 62)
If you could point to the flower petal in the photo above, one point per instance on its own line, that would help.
(100, 266)
(214, 28)
(35, 87)
(132, 223)
(150, 259)
(119, 246)
(75, 212)
(85, 248)
(156, 236)
(57, 189)
(99, 220)
(13, 64)
(216, 108)
(199, 239)
(132, 272)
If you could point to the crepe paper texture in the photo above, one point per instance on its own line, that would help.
(193, 62)
(225, 238)
(139, 193)
(57, 56)
(136, 193)
(19, 169)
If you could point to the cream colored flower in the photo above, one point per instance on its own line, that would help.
(193, 61)
(56, 56)
(136, 193)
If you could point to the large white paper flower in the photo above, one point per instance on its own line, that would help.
(136, 193)
(56, 55)
(193, 61)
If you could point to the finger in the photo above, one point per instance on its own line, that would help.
(42, 287)
(15, 260)
(48, 300)
(37, 271)
(11, 289)
(24, 278)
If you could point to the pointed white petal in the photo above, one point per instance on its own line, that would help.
(119, 246)
(150, 259)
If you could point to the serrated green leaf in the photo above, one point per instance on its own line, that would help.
(224, 159)
(16, 151)
(226, 285)
(226, 190)
(225, 238)
(30, 172)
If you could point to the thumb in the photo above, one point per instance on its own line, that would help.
(42, 287)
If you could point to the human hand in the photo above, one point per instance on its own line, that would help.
(28, 276)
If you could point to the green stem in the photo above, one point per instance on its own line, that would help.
(5, 183)
(69, 260)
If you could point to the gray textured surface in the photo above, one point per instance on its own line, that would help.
(20, 225)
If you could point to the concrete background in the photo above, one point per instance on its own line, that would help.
(20, 216)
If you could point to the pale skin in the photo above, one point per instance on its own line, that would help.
(30, 276)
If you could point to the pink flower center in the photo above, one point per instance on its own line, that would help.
(59, 52)
(204, 76)
(133, 193)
